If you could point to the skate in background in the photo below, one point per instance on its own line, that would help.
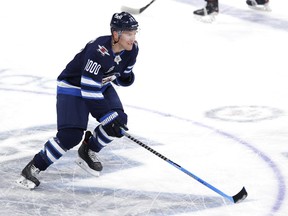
(211, 10)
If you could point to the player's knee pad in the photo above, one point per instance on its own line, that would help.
(70, 137)
(99, 139)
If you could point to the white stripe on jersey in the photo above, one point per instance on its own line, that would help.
(129, 69)
(64, 84)
(90, 82)
(92, 95)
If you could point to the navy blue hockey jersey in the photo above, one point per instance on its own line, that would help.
(93, 68)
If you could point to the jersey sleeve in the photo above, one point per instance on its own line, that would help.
(127, 77)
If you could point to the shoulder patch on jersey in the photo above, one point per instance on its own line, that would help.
(103, 50)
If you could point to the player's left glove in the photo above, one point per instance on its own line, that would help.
(113, 121)
(126, 80)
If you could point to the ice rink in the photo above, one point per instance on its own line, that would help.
(211, 97)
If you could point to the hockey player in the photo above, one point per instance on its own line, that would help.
(211, 9)
(84, 87)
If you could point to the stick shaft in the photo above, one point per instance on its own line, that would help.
(144, 8)
(136, 10)
(177, 166)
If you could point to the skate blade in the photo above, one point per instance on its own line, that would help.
(81, 163)
(25, 183)
(261, 8)
(207, 18)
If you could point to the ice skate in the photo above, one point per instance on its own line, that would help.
(88, 159)
(262, 5)
(208, 13)
(28, 178)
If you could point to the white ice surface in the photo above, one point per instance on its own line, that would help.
(210, 97)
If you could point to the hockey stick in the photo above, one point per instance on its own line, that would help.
(236, 198)
(134, 10)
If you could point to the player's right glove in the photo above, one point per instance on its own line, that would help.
(113, 121)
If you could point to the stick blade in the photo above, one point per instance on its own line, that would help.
(130, 10)
(240, 196)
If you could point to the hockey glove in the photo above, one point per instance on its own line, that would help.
(125, 80)
(113, 121)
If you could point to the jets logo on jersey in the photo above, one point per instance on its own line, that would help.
(103, 50)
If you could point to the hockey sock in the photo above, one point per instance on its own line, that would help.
(51, 152)
(55, 147)
(99, 139)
